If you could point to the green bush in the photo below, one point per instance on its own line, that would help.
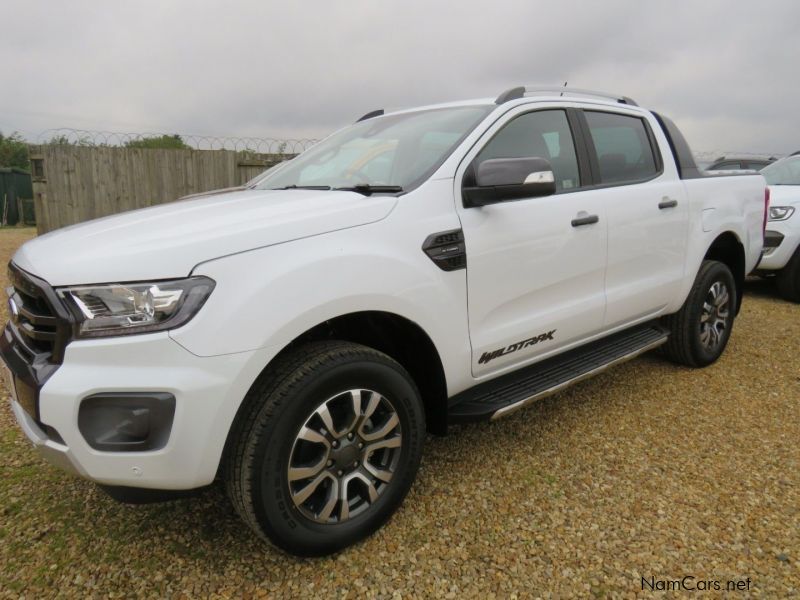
(161, 141)
(13, 151)
(65, 140)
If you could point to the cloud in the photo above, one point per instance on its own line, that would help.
(303, 69)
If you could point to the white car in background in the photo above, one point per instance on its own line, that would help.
(782, 238)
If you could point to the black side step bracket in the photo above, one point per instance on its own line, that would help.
(505, 394)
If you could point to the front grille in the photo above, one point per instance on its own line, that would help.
(42, 324)
(35, 321)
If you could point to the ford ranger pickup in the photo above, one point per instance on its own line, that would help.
(297, 339)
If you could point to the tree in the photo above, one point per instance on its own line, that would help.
(13, 151)
(66, 140)
(161, 141)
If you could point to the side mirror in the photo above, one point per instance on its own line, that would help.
(501, 179)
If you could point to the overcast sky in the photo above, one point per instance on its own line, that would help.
(726, 72)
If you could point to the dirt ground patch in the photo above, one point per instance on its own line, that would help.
(648, 471)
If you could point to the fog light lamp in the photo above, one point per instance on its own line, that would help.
(126, 422)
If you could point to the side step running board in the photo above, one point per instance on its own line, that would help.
(504, 395)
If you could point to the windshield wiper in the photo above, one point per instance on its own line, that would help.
(368, 189)
(302, 187)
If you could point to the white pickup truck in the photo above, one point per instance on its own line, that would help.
(439, 265)
(782, 239)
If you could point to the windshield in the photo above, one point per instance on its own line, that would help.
(400, 151)
(253, 183)
(785, 171)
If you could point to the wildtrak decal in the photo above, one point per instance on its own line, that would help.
(542, 337)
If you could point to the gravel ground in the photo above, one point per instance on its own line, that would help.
(650, 470)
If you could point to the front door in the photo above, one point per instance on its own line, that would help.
(535, 266)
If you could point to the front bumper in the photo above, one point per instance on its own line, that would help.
(207, 393)
(783, 238)
(54, 452)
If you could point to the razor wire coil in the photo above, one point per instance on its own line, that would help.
(254, 145)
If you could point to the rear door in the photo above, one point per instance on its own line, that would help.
(647, 212)
(535, 280)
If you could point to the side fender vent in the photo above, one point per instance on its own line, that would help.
(446, 249)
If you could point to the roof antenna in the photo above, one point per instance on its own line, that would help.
(562, 93)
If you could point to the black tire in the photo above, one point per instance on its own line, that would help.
(266, 432)
(788, 278)
(686, 340)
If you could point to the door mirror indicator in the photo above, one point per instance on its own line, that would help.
(540, 177)
(500, 179)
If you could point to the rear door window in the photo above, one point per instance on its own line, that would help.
(622, 143)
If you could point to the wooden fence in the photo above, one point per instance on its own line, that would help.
(77, 183)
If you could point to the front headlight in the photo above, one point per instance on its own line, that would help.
(780, 213)
(126, 308)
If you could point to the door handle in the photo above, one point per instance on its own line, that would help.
(586, 220)
(667, 202)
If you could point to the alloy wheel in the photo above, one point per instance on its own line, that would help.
(715, 316)
(344, 456)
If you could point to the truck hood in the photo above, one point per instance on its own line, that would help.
(782, 195)
(169, 240)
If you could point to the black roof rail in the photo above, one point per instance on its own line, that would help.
(369, 115)
(522, 91)
(795, 153)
